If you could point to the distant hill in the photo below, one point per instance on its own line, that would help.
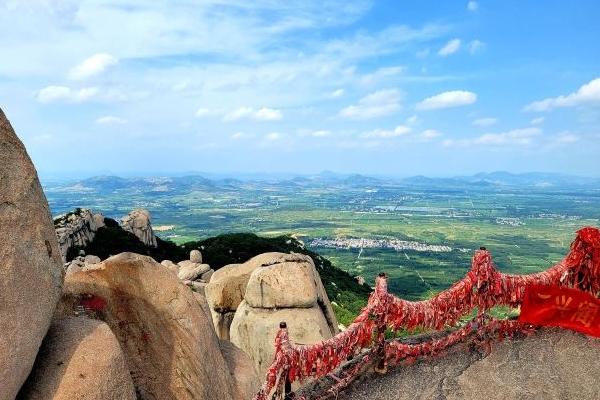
(187, 184)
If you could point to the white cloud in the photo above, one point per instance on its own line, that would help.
(51, 94)
(400, 130)
(472, 6)
(273, 136)
(242, 135)
(588, 93)
(412, 120)
(337, 93)
(376, 104)
(110, 120)
(485, 121)
(382, 74)
(475, 46)
(262, 114)
(515, 137)
(454, 98)
(566, 138)
(268, 114)
(450, 48)
(429, 134)
(202, 112)
(320, 133)
(537, 121)
(91, 66)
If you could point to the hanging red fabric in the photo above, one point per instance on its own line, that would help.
(563, 307)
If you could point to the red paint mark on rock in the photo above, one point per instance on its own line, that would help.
(93, 303)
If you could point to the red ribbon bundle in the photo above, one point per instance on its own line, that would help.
(483, 287)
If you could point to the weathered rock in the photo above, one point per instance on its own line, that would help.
(31, 270)
(227, 286)
(253, 330)
(73, 267)
(552, 364)
(222, 323)
(207, 275)
(242, 371)
(196, 256)
(171, 266)
(91, 260)
(285, 284)
(197, 286)
(169, 343)
(191, 271)
(202, 302)
(75, 229)
(99, 220)
(138, 222)
(70, 365)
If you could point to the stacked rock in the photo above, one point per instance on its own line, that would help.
(192, 272)
(80, 262)
(247, 302)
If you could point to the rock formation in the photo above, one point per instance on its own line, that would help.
(242, 370)
(167, 338)
(76, 229)
(281, 287)
(192, 272)
(80, 358)
(138, 222)
(551, 364)
(31, 266)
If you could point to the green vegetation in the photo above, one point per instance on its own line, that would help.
(348, 296)
(527, 228)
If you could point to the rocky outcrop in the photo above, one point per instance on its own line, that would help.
(253, 330)
(30, 266)
(167, 338)
(191, 272)
(138, 222)
(76, 230)
(70, 365)
(242, 371)
(281, 287)
(551, 364)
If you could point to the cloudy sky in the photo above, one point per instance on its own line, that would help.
(377, 87)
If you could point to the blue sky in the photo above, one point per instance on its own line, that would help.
(375, 87)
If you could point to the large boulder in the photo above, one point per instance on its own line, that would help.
(551, 364)
(170, 346)
(286, 284)
(31, 268)
(242, 371)
(253, 330)
(70, 365)
(75, 229)
(227, 287)
(139, 223)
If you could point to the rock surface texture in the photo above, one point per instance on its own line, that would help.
(138, 222)
(76, 229)
(551, 364)
(80, 358)
(242, 371)
(280, 287)
(168, 341)
(31, 268)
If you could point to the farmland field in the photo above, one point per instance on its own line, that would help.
(422, 234)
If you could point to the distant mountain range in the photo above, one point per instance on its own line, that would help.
(481, 181)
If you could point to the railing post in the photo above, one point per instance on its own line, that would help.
(381, 366)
